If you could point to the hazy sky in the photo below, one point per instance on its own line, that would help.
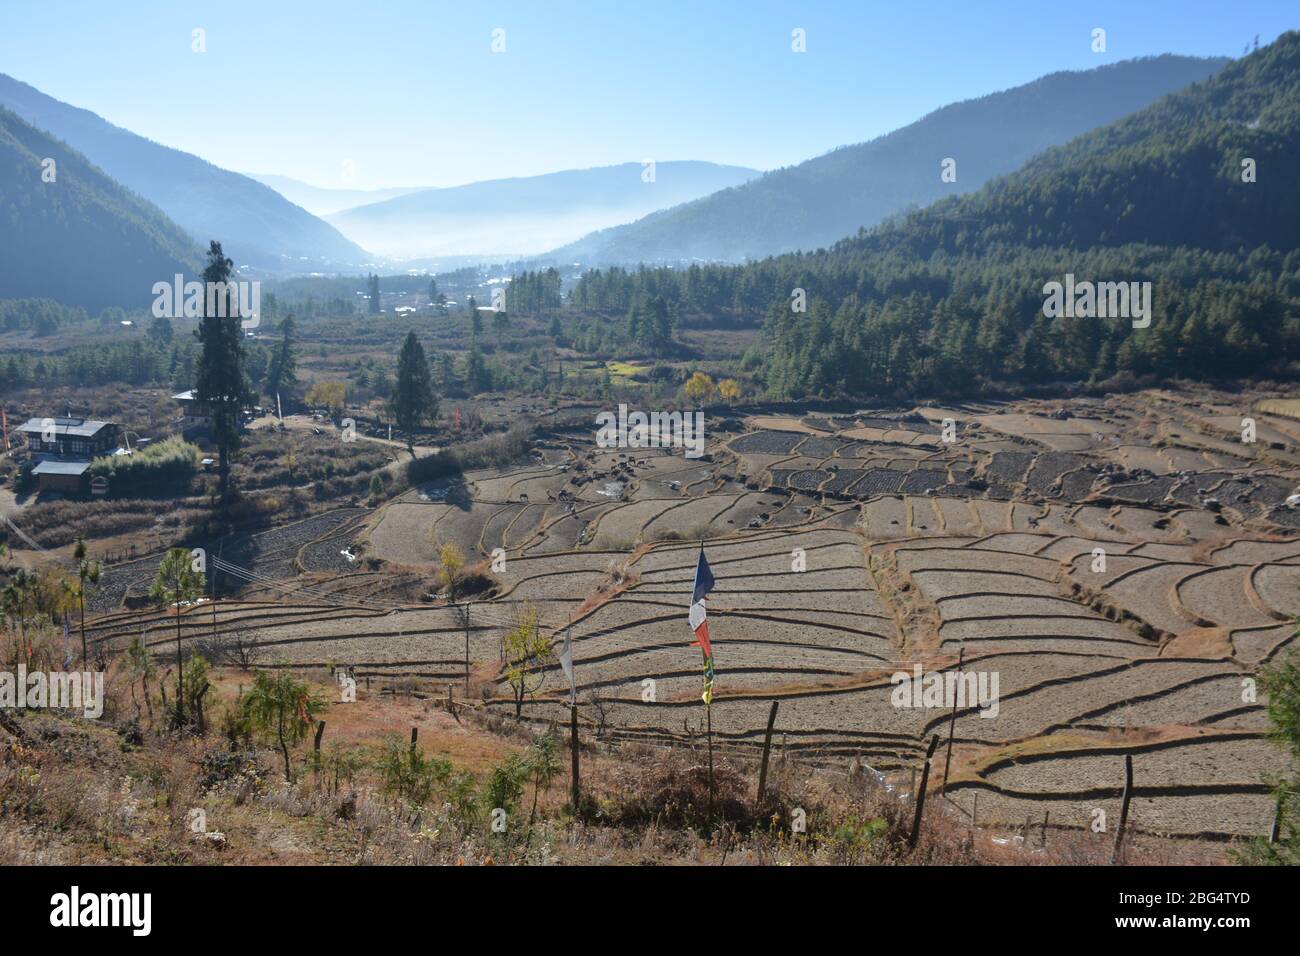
(403, 92)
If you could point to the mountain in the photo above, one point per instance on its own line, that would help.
(1190, 203)
(813, 204)
(256, 226)
(320, 201)
(81, 239)
(524, 216)
(1169, 175)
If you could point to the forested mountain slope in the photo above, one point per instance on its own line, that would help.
(817, 202)
(256, 225)
(82, 238)
(1195, 194)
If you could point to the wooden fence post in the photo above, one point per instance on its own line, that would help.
(1123, 808)
(767, 748)
(415, 733)
(920, 794)
(320, 732)
(203, 729)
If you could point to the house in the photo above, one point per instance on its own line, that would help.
(63, 449)
(78, 439)
(195, 413)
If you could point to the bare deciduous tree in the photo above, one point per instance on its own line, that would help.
(233, 649)
(601, 710)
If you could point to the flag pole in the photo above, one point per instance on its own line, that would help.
(708, 712)
(708, 718)
(699, 623)
(575, 787)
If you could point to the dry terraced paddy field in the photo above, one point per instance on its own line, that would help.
(1121, 565)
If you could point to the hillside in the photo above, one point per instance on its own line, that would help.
(527, 215)
(434, 798)
(1169, 175)
(817, 202)
(82, 239)
(950, 299)
(256, 225)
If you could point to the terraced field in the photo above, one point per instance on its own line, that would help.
(1121, 566)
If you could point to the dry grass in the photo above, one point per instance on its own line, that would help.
(79, 792)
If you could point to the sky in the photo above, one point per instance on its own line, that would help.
(411, 93)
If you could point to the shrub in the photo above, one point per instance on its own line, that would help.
(168, 465)
(674, 791)
(409, 774)
(505, 785)
(499, 449)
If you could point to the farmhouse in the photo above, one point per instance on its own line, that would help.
(196, 413)
(193, 412)
(63, 448)
(69, 438)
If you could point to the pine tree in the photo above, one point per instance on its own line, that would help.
(282, 378)
(477, 377)
(446, 372)
(220, 381)
(413, 401)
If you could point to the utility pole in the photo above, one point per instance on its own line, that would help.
(1123, 809)
(767, 748)
(952, 723)
(920, 795)
(212, 588)
(463, 612)
(212, 597)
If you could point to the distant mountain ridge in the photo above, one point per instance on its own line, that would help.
(82, 238)
(256, 226)
(818, 202)
(528, 215)
(322, 201)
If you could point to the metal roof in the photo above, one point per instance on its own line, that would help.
(75, 427)
(72, 468)
(189, 395)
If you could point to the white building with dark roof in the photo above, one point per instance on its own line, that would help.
(70, 438)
